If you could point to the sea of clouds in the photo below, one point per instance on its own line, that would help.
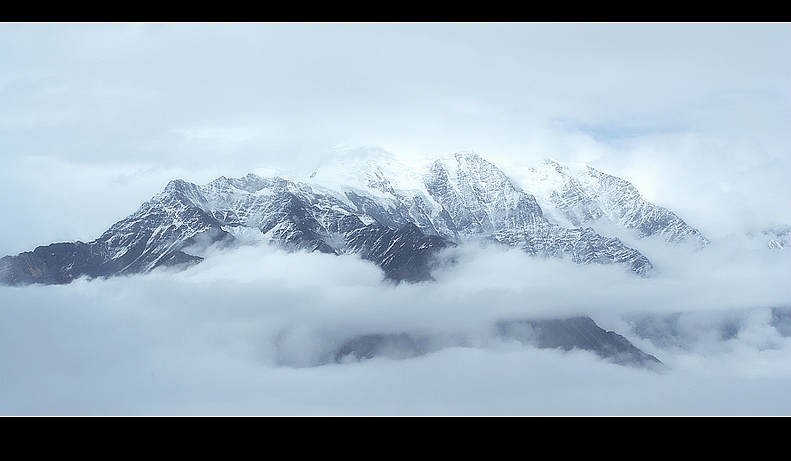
(96, 118)
(252, 330)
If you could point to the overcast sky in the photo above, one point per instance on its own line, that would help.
(95, 119)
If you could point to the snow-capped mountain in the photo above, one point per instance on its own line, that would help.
(463, 196)
(280, 211)
(365, 202)
(577, 194)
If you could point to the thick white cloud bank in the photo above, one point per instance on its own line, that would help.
(96, 119)
(248, 331)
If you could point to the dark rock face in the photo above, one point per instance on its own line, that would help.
(394, 346)
(57, 263)
(580, 333)
(61, 263)
(403, 254)
(567, 334)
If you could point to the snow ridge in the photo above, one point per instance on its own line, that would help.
(580, 195)
(364, 201)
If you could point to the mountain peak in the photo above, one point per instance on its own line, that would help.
(576, 194)
(364, 201)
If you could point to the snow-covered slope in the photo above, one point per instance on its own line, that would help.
(364, 201)
(461, 197)
(577, 194)
(282, 212)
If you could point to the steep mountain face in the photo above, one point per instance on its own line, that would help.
(582, 195)
(369, 204)
(151, 237)
(465, 197)
(282, 212)
(578, 333)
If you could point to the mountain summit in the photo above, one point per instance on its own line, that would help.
(365, 202)
(578, 194)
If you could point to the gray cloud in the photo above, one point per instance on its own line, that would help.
(97, 118)
(242, 332)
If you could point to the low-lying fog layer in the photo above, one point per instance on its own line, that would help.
(252, 331)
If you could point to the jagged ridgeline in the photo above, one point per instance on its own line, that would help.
(373, 206)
